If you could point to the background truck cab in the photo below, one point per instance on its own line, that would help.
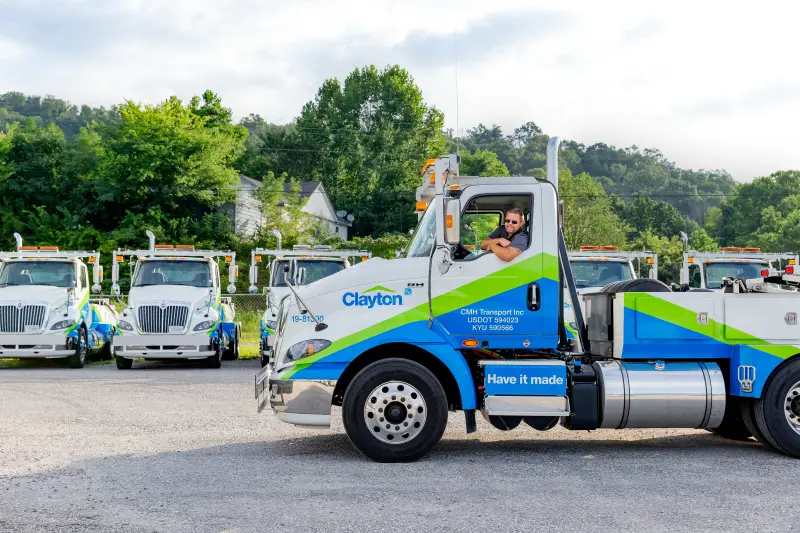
(594, 267)
(45, 305)
(175, 308)
(306, 264)
(707, 270)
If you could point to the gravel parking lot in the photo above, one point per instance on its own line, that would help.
(180, 448)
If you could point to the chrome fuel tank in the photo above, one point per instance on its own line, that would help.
(659, 394)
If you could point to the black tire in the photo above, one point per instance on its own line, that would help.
(733, 426)
(636, 285)
(398, 373)
(749, 419)
(779, 402)
(123, 363)
(505, 423)
(215, 361)
(541, 423)
(78, 359)
(232, 352)
(105, 353)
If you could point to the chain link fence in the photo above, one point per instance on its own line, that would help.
(247, 307)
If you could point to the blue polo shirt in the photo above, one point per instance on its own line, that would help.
(519, 240)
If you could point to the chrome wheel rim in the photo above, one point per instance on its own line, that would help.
(395, 412)
(792, 407)
(82, 346)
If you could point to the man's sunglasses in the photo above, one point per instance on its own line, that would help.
(509, 221)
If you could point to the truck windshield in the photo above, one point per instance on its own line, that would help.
(191, 273)
(714, 272)
(315, 270)
(424, 236)
(52, 273)
(599, 273)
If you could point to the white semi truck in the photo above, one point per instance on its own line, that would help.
(306, 264)
(594, 267)
(46, 310)
(175, 308)
(446, 328)
(707, 270)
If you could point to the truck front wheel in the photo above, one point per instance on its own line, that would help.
(394, 410)
(78, 359)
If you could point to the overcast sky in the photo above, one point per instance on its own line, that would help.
(710, 85)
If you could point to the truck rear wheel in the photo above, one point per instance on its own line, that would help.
(777, 412)
(732, 426)
(232, 352)
(394, 410)
(78, 359)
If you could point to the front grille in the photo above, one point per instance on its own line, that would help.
(13, 319)
(155, 319)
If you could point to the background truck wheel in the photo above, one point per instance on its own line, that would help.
(78, 359)
(394, 410)
(105, 353)
(232, 352)
(264, 359)
(732, 427)
(777, 412)
(123, 363)
(215, 361)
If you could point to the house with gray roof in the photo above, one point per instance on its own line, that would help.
(248, 217)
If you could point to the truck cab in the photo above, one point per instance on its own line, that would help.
(175, 308)
(707, 270)
(301, 265)
(46, 309)
(399, 344)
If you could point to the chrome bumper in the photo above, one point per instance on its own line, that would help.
(302, 402)
(188, 346)
(42, 345)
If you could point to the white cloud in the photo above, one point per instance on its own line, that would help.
(710, 84)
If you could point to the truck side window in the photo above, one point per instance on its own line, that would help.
(694, 276)
(84, 277)
(485, 215)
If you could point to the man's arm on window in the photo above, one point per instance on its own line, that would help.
(506, 254)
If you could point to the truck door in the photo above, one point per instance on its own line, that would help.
(479, 297)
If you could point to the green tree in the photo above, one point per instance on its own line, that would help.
(165, 157)
(701, 241)
(366, 139)
(670, 254)
(482, 163)
(588, 215)
(644, 214)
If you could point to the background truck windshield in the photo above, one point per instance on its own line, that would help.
(53, 273)
(716, 271)
(599, 273)
(315, 269)
(191, 273)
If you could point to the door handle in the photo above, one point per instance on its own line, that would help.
(534, 302)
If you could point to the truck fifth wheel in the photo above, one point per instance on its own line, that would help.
(449, 327)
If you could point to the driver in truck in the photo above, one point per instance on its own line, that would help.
(510, 239)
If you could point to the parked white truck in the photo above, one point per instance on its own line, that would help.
(594, 267)
(445, 328)
(45, 306)
(306, 264)
(706, 270)
(175, 308)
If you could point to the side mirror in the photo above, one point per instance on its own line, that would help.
(452, 221)
(684, 276)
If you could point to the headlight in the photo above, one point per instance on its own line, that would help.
(271, 324)
(204, 325)
(126, 326)
(306, 348)
(64, 324)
